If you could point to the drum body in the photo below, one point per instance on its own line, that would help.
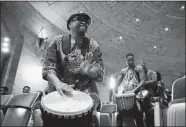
(125, 101)
(75, 111)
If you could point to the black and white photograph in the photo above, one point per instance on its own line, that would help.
(92, 63)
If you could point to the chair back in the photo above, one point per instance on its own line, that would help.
(2, 116)
(178, 89)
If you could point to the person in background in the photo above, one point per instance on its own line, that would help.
(151, 75)
(26, 89)
(151, 85)
(131, 79)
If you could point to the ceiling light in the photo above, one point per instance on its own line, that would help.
(79, 11)
(5, 49)
(166, 29)
(41, 34)
(137, 19)
(182, 7)
(112, 82)
(6, 39)
(5, 44)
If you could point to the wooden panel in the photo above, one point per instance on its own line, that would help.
(61, 7)
(155, 5)
(101, 13)
(113, 6)
(174, 9)
(111, 37)
(129, 16)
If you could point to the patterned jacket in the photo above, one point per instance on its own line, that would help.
(130, 80)
(54, 59)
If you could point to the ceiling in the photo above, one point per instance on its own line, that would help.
(153, 31)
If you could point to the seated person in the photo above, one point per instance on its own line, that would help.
(74, 64)
(4, 90)
(131, 79)
(26, 89)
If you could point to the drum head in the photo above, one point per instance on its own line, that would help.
(64, 105)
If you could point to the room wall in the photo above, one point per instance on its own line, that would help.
(169, 79)
(4, 56)
(10, 69)
(29, 70)
(23, 67)
(24, 23)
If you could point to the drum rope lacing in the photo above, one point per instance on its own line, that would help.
(55, 115)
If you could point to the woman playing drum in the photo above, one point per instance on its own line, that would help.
(130, 81)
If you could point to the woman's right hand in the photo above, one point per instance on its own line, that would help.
(63, 88)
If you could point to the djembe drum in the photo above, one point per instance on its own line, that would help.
(125, 104)
(125, 101)
(67, 111)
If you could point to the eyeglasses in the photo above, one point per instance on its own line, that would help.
(81, 19)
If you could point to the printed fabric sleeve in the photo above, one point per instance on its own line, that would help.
(99, 66)
(120, 76)
(50, 58)
(123, 71)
